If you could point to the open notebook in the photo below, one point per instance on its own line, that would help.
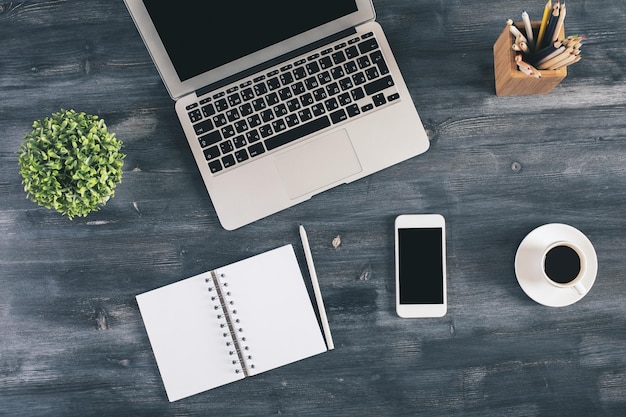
(236, 321)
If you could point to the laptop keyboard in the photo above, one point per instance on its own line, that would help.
(309, 94)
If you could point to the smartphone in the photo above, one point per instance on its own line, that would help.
(420, 251)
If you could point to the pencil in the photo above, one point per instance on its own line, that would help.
(544, 22)
(526, 68)
(554, 54)
(551, 62)
(542, 53)
(559, 23)
(316, 288)
(529, 30)
(576, 59)
(521, 44)
(565, 61)
(552, 21)
(514, 30)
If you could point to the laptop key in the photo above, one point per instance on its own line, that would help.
(219, 120)
(318, 109)
(299, 73)
(245, 109)
(210, 139)
(305, 115)
(226, 147)
(353, 110)
(265, 130)
(234, 99)
(247, 94)
(254, 120)
(312, 68)
(273, 83)
(326, 62)
(228, 161)
(195, 115)
(286, 78)
(331, 104)
(239, 141)
(253, 136)
(208, 110)
(228, 131)
(338, 116)
(260, 89)
(221, 104)
(259, 104)
(298, 88)
(351, 52)
(338, 57)
(372, 73)
(377, 58)
(272, 99)
(368, 45)
(241, 155)
(279, 125)
(211, 153)
(215, 166)
(379, 99)
(256, 149)
(203, 127)
(378, 85)
(357, 93)
(297, 132)
(358, 78)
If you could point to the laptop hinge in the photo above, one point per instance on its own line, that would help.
(274, 61)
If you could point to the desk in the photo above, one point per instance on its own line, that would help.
(72, 339)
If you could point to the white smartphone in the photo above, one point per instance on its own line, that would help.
(420, 249)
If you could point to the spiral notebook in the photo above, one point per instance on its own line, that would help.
(236, 321)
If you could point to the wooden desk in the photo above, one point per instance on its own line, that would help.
(72, 341)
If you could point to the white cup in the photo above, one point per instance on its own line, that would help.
(556, 265)
(564, 265)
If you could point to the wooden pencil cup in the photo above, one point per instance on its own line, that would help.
(510, 81)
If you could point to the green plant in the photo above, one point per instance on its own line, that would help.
(71, 163)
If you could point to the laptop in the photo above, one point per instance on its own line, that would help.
(280, 100)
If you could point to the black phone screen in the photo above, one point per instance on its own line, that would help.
(420, 262)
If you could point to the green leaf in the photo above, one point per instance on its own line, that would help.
(70, 162)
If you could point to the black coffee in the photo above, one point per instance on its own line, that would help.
(562, 264)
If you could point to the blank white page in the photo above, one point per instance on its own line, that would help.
(271, 313)
(185, 334)
(274, 309)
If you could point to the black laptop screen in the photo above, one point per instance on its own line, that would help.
(201, 35)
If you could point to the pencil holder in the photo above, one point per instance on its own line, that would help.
(510, 81)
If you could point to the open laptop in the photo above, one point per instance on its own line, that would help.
(280, 100)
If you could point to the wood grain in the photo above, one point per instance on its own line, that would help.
(71, 338)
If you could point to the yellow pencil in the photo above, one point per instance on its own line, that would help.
(544, 23)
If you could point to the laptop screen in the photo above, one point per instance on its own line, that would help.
(203, 35)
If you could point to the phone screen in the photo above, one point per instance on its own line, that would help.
(420, 262)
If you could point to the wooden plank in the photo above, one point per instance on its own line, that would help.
(72, 340)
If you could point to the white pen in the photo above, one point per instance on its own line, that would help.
(316, 288)
(529, 30)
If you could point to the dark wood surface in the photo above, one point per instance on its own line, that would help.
(72, 341)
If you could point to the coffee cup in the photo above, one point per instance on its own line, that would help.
(556, 264)
(564, 266)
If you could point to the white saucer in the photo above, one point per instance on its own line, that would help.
(529, 269)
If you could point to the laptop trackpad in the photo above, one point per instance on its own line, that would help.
(317, 163)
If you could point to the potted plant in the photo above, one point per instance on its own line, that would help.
(70, 162)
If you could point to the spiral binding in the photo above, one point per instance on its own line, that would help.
(231, 324)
